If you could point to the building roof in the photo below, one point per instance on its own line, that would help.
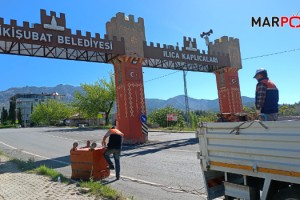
(30, 95)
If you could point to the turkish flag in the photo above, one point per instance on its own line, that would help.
(134, 74)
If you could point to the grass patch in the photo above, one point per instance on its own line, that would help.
(46, 171)
(96, 188)
(9, 126)
(41, 170)
(100, 190)
(100, 127)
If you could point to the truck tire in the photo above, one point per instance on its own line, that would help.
(287, 194)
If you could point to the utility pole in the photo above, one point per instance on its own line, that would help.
(187, 107)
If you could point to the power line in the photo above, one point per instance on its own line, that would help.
(271, 54)
(162, 76)
(249, 58)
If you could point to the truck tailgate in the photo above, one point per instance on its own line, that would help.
(258, 149)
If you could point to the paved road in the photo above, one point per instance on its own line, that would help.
(165, 168)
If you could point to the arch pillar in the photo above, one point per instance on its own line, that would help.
(227, 78)
(229, 90)
(130, 98)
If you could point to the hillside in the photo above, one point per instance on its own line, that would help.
(151, 104)
(67, 90)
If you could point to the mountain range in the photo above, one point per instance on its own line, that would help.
(151, 104)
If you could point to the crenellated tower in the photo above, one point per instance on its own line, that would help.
(129, 76)
(132, 32)
(227, 78)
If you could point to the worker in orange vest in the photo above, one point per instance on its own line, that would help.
(114, 147)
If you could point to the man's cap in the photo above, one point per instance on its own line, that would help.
(259, 71)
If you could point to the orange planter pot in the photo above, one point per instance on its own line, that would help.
(87, 163)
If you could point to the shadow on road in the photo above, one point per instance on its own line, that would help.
(59, 162)
(9, 166)
(54, 162)
(149, 148)
(73, 129)
(154, 147)
(107, 182)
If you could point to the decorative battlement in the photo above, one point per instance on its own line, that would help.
(52, 21)
(52, 32)
(227, 45)
(133, 33)
(165, 47)
(196, 59)
(124, 37)
(121, 18)
(13, 23)
(190, 45)
(225, 39)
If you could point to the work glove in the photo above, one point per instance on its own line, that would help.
(257, 112)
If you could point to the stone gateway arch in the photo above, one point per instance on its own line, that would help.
(124, 45)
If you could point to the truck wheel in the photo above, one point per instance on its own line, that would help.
(287, 194)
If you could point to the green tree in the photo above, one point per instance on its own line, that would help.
(287, 110)
(99, 97)
(297, 108)
(12, 112)
(159, 116)
(4, 116)
(50, 112)
(109, 95)
(207, 116)
(19, 116)
(249, 109)
(194, 119)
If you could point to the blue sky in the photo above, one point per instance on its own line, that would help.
(166, 22)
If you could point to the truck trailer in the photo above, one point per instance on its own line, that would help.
(250, 160)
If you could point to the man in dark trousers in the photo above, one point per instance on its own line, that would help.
(114, 147)
(266, 97)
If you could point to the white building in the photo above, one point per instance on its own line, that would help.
(26, 102)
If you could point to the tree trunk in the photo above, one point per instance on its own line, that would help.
(106, 118)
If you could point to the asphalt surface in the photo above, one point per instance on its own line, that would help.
(165, 168)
